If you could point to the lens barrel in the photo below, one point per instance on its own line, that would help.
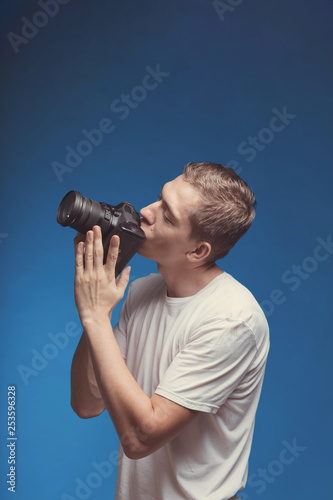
(82, 213)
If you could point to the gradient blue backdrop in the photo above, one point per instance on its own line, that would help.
(226, 74)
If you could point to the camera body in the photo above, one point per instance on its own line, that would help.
(82, 214)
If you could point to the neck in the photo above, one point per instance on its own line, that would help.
(187, 282)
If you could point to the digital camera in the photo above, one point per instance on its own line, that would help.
(82, 214)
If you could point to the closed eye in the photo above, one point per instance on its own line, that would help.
(159, 198)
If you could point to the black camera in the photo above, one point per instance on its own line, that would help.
(82, 214)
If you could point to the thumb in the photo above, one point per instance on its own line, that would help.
(124, 279)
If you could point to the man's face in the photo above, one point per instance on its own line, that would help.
(166, 223)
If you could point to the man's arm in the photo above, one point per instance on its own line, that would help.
(143, 424)
(86, 399)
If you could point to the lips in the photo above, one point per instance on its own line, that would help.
(142, 221)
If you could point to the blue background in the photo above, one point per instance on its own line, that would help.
(226, 73)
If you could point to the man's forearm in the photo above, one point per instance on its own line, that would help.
(86, 399)
(129, 407)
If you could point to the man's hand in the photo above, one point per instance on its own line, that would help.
(96, 290)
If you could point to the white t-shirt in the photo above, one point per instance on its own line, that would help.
(206, 352)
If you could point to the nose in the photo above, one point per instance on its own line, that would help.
(148, 214)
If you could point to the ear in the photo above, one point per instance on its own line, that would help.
(200, 252)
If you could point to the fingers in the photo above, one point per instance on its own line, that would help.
(89, 254)
(112, 256)
(79, 237)
(79, 267)
(93, 255)
(124, 279)
(98, 248)
(110, 265)
(89, 251)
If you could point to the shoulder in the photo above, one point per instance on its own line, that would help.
(152, 281)
(227, 301)
(144, 290)
(240, 300)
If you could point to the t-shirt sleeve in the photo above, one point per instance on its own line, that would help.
(210, 366)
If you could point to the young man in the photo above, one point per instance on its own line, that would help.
(182, 371)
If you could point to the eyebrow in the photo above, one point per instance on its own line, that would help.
(168, 207)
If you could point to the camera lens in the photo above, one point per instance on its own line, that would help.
(82, 213)
(69, 208)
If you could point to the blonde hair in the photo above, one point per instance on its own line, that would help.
(227, 210)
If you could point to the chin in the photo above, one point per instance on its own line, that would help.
(144, 253)
(142, 250)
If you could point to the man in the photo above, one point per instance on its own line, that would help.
(182, 371)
